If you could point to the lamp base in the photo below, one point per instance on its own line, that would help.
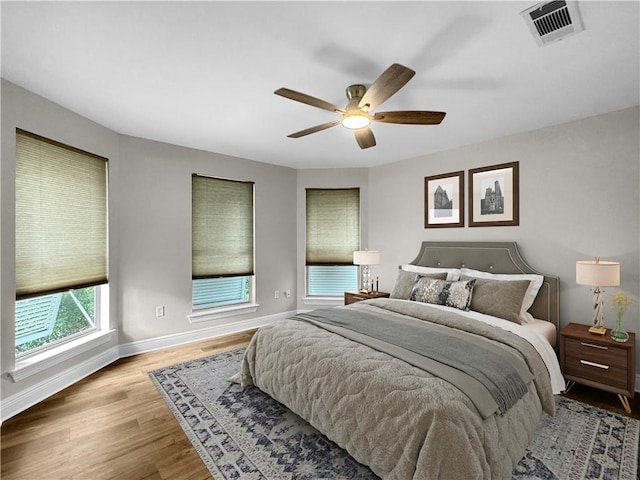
(597, 330)
(366, 279)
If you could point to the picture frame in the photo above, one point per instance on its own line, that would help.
(444, 200)
(494, 195)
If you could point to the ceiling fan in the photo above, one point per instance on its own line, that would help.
(357, 114)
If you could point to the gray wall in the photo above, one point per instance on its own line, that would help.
(579, 197)
(154, 198)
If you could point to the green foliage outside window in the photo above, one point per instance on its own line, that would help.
(69, 321)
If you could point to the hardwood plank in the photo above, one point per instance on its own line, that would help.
(16, 450)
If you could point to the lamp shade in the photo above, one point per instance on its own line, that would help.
(598, 273)
(366, 257)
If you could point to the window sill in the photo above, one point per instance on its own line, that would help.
(323, 301)
(221, 312)
(33, 364)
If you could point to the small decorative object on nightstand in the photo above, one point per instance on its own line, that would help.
(619, 302)
(599, 362)
(597, 274)
(353, 297)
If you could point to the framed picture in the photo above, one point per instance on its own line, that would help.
(444, 200)
(494, 196)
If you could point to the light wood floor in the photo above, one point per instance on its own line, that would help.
(115, 425)
(111, 425)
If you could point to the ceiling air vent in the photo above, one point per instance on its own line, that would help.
(552, 21)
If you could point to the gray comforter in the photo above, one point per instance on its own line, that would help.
(401, 421)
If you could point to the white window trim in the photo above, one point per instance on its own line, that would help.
(39, 362)
(224, 311)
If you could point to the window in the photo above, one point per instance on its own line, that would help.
(61, 242)
(332, 235)
(215, 292)
(48, 319)
(331, 281)
(222, 247)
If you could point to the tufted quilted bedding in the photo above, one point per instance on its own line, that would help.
(401, 421)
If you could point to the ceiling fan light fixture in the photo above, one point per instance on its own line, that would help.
(362, 101)
(355, 121)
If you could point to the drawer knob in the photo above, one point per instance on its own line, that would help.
(594, 364)
(594, 346)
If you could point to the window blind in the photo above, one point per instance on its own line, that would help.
(222, 225)
(61, 217)
(214, 292)
(333, 226)
(331, 280)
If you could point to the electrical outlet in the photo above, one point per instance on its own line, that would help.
(160, 311)
(276, 294)
(287, 293)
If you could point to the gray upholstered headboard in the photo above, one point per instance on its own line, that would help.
(493, 257)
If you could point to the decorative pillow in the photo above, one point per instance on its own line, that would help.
(499, 298)
(453, 274)
(406, 280)
(442, 292)
(530, 296)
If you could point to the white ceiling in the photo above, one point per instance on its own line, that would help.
(202, 74)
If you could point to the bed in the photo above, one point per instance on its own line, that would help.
(414, 387)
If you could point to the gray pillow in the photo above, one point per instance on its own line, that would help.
(442, 292)
(406, 280)
(499, 298)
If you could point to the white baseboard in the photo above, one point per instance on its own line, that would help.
(19, 402)
(27, 398)
(149, 345)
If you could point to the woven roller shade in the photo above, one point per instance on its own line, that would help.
(333, 225)
(61, 217)
(222, 227)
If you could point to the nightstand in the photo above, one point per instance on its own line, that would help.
(598, 361)
(353, 297)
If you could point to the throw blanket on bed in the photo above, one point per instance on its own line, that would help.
(490, 375)
(452, 319)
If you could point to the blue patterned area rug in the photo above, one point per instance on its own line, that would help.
(244, 434)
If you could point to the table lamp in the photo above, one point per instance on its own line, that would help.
(596, 273)
(366, 258)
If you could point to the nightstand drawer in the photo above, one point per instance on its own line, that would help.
(353, 297)
(602, 372)
(595, 352)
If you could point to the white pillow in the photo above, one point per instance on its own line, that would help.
(530, 295)
(453, 274)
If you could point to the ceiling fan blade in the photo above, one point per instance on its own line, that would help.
(307, 99)
(388, 83)
(410, 117)
(315, 129)
(365, 138)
